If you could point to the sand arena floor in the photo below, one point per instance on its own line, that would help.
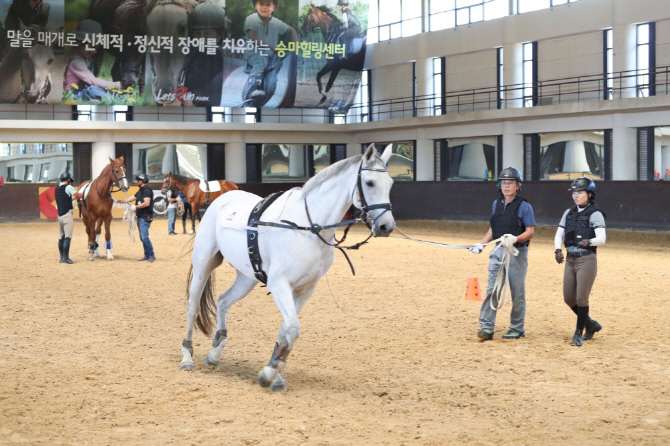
(90, 352)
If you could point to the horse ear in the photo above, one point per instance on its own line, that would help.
(369, 153)
(111, 160)
(387, 153)
(121, 159)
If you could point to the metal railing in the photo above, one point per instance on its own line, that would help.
(589, 88)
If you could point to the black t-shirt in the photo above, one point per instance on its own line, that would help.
(145, 192)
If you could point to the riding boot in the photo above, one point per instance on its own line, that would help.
(66, 251)
(60, 248)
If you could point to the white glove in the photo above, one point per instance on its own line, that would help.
(510, 237)
(132, 207)
(477, 249)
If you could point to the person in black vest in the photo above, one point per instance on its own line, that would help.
(145, 214)
(512, 215)
(582, 229)
(64, 193)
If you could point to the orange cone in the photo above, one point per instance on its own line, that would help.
(2, 181)
(472, 292)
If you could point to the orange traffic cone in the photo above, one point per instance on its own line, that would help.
(2, 181)
(472, 292)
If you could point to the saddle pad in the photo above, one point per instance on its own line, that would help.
(86, 189)
(214, 186)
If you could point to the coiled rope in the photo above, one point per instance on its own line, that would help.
(501, 284)
(129, 217)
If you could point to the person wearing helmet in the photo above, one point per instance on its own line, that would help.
(145, 214)
(79, 78)
(266, 30)
(204, 77)
(582, 229)
(64, 198)
(351, 26)
(512, 216)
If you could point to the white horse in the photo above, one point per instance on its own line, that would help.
(294, 260)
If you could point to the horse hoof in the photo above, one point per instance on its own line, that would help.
(110, 257)
(211, 364)
(263, 381)
(186, 366)
(90, 259)
(278, 387)
(266, 376)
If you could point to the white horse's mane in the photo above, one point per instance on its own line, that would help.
(334, 170)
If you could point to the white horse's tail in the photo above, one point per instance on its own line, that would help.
(206, 320)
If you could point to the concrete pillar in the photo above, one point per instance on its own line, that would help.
(296, 161)
(425, 160)
(236, 162)
(625, 59)
(169, 158)
(101, 152)
(512, 152)
(424, 86)
(513, 74)
(353, 149)
(624, 150)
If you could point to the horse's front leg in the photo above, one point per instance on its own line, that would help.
(242, 286)
(90, 231)
(288, 334)
(331, 79)
(108, 237)
(98, 231)
(325, 70)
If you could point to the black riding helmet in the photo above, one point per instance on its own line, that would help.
(143, 178)
(66, 176)
(585, 184)
(509, 173)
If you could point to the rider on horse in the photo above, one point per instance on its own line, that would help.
(351, 26)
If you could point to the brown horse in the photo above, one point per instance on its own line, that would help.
(195, 196)
(95, 203)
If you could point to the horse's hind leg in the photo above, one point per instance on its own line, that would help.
(201, 272)
(108, 238)
(242, 286)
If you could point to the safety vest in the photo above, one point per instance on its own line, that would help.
(577, 227)
(63, 200)
(506, 220)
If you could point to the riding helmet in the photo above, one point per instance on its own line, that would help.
(585, 184)
(143, 178)
(510, 173)
(208, 15)
(87, 27)
(66, 176)
(342, 2)
(276, 2)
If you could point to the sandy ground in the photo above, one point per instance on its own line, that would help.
(90, 352)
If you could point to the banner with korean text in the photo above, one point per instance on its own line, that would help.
(225, 53)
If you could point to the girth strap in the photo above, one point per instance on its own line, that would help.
(252, 236)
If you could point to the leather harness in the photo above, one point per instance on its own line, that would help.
(257, 212)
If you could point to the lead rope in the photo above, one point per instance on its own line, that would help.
(129, 217)
(501, 284)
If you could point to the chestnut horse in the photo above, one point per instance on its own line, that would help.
(95, 203)
(195, 196)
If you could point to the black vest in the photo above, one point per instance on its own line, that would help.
(577, 226)
(63, 200)
(506, 220)
(147, 212)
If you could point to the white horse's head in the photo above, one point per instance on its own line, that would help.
(375, 190)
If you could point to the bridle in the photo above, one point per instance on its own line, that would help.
(117, 182)
(365, 216)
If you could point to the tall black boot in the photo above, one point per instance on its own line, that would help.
(60, 248)
(577, 339)
(66, 251)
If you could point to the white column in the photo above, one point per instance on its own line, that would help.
(168, 158)
(101, 152)
(425, 160)
(624, 151)
(513, 74)
(296, 161)
(236, 162)
(625, 59)
(424, 86)
(512, 152)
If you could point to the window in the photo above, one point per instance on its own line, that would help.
(120, 113)
(217, 114)
(445, 14)
(500, 79)
(252, 114)
(438, 85)
(529, 74)
(363, 97)
(534, 5)
(394, 19)
(646, 59)
(401, 163)
(339, 118)
(68, 166)
(10, 173)
(467, 159)
(44, 172)
(292, 162)
(28, 173)
(83, 113)
(189, 160)
(608, 64)
(566, 156)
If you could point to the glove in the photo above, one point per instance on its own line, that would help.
(559, 256)
(511, 237)
(132, 207)
(477, 249)
(584, 243)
